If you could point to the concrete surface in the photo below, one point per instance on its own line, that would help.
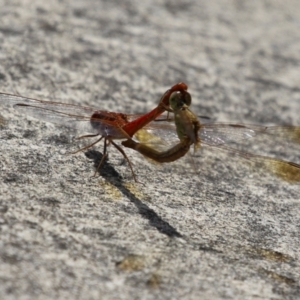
(215, 231)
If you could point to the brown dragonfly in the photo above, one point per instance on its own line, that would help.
(216, 135)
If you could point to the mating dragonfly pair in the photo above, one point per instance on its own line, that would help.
(110, 126)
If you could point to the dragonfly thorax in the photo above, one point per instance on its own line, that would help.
(109, 123)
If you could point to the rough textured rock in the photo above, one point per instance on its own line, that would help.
(217, 230)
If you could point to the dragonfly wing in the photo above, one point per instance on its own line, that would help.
(217, 134)
(160, 135)
(68, 115)
(89, 125)
(283, 169)
(287, 132)
(79, 123)
(9, 100)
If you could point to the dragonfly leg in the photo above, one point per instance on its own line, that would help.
(86, 136)
(167, 119)
(103, 156)
(126, 157)
(88, 146)
(165, 107)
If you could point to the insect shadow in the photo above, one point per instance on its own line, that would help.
(108, 172)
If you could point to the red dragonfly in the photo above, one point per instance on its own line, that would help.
(97, 123)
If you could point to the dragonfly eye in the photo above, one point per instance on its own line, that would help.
(174, 100)
(178, 99)
(187, 98)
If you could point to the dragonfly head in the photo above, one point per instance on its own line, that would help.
(180, 99)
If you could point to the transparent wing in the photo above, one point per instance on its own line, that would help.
(215, 134)
(222, 133)
(77, 122)
(9, 100)
(286, 132)
(72, 116)
(286, 170)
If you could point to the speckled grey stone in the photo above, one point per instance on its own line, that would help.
(218, 230)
